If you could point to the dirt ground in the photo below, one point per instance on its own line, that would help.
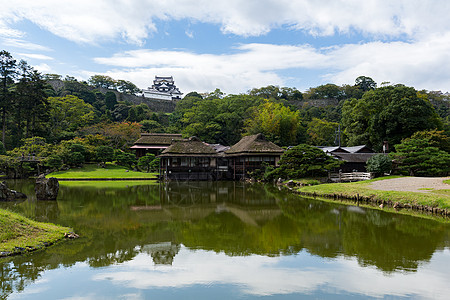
(412, 184)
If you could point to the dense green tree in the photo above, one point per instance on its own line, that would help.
(389, 113)
(151, 126)
(379, 164)
(2, 149)
(326, 91)
(321, 132)
(7, 76)
(69, 112)
(216, 120)
(102, 81)
(276, 93)
(53, 161)
(365, 83)
(125, 158)
(120, 112)
(75, 159)
(277, 122)
(104, 153)
(80, 148)
(415, 157)
(110, 100)
(145, 162)
(435, 138)
(305, 161)
(31, 100)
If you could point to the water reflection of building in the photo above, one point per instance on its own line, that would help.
(162, 253)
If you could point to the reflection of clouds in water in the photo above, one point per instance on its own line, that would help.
(260, 275)
(205, 268)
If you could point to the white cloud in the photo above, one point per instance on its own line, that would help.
(43, 68)
(35, 56)
(423, 64)
(24, 45)
(87, 21)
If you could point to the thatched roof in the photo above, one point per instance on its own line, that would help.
(190, 147)
(164, 139)
(254, 144)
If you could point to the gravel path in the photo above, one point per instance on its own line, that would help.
(412, 184)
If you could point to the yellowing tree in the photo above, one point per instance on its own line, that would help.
(69, 113)
(277, 122)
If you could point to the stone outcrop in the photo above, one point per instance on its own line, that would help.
(46, 188)
(10, 195)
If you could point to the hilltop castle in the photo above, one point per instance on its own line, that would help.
(163, 88)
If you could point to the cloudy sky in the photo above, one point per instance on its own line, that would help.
(234, 45)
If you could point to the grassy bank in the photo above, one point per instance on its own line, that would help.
(93, 171)
(106, 184)
(439, 198)
(20, 235)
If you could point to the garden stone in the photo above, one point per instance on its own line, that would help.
(7, 194)
(46, 188)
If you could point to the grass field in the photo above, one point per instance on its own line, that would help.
(104, 184)
(19, 234)
(434, 198)
(92, 171)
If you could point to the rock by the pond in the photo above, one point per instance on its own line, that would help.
(71, 235)
(9, 195)
(46, 188)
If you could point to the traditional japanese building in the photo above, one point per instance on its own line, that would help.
(189, 159)
(163, 88)
(355, 158)
(250, 153)
(153, 143)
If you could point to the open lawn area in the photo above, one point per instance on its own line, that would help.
(106, 184)
(93, 171)
(429, 196)
(19, 234)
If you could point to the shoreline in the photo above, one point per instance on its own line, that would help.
(20, 235)
(391, 196)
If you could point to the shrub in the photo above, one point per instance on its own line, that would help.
(54, 161)
(146, 162)
(104, 153)
(379, 164)
(125, 159)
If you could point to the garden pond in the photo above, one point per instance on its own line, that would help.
(223, 240)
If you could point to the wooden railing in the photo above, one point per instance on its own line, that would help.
(349, 177)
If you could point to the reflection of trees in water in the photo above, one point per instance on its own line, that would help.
(388, 241)
(229, 217)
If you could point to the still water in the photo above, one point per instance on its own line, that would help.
(223, 240)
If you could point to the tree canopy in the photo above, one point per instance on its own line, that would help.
(388, 113)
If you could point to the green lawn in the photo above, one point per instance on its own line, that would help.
(438, 198)
(19, 234)
(111, 171)
(106, 184)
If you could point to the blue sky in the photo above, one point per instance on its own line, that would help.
(234, 45)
